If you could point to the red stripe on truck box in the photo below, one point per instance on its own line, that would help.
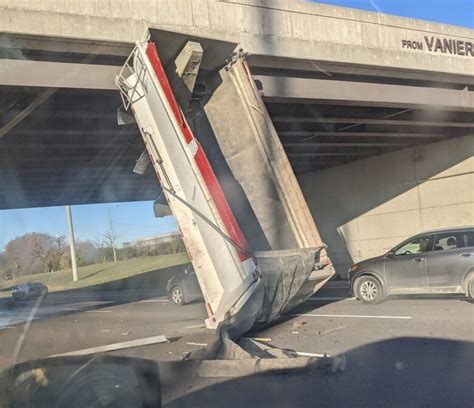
(213, 186)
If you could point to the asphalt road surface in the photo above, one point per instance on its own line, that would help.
(415, 351)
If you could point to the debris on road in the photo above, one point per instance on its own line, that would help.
(334, 329)
(126, 333)
(249, 366)
(304, 354)
(298, 324)
(261, 339)
(191, 343)
(338, 363)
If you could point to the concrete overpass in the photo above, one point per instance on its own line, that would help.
(345, 88)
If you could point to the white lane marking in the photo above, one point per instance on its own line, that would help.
(315, 299)
(98, 311)
(352, 316)
(303, 354)
(196, 326)
(117, 346)
(154, 301)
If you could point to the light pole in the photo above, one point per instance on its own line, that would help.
(72, 244)
(112, 236)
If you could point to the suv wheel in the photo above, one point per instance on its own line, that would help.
(369, 290)
(470, 288)
(177, 296)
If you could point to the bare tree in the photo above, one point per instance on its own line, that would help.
(109, 238)
(35, 253)
(105, 242)
(3, 263)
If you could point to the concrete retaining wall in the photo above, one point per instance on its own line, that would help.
(364, 208)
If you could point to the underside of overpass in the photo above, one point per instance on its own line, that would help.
(60, 143)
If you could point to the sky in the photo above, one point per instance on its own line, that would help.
(456, 12)
(135, 220)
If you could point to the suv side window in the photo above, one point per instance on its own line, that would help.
(468, 238)
(417, 245)
(450, 240)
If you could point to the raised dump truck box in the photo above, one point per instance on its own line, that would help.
(242, 285)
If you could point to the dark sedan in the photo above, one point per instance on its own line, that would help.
(184, 287)
(434, 262)
(25, 291)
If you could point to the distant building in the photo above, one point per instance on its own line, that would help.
(151, 242)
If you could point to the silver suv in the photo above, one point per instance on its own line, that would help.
(434, 262)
